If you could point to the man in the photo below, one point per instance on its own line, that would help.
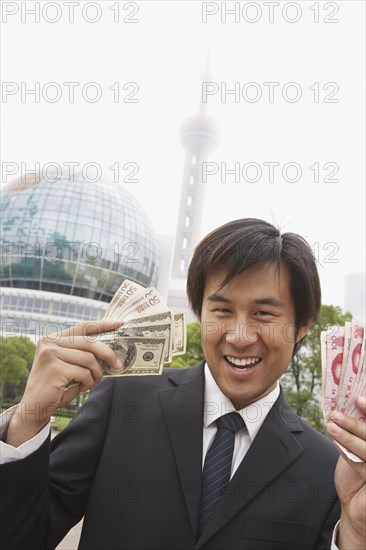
(150, 462)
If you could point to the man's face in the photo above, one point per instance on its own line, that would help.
(248, 331)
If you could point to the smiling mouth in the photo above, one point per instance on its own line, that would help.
(244, 363)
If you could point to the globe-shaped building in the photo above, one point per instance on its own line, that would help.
(67, 243)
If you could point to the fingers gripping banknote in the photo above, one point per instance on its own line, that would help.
(343, 371)
(151, 333)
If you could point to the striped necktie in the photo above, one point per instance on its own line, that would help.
(217, 468)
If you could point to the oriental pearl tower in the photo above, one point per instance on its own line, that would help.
(199, 135)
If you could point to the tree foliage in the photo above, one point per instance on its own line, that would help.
(194, 354)
(16, 357)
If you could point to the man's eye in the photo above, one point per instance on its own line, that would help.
(222, 310)
(264, 313)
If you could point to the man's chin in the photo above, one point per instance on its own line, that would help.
(239, 400)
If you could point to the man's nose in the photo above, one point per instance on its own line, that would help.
(243, 333)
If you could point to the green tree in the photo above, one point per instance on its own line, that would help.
(194, 354)
(302, 380)
(16, 357)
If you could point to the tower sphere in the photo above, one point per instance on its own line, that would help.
(198, 132)
(74, 235)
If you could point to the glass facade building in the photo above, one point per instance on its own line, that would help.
(71, 236)
(36, 313)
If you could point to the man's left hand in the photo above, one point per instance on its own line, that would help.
(350, 477)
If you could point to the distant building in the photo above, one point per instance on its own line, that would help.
(66, 245)
(355, 295)
(199, 136)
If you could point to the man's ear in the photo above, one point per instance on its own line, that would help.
(303, 331)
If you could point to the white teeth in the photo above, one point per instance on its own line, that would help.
(243, 362)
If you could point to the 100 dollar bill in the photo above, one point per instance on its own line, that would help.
(139, 355)
(152, 331)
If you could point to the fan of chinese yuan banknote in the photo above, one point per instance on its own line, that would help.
(343, 370)
(151, 333)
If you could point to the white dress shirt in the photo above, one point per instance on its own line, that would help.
(216, 404)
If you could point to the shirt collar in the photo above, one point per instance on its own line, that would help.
(216, 404)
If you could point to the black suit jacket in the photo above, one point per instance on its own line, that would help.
(131, 462)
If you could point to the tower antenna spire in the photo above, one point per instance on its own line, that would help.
(199, 136)
(205, 77)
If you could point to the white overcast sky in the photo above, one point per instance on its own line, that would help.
(164, 53)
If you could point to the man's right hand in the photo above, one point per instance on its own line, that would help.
(63, 367)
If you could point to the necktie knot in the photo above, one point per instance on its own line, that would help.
(230, 421)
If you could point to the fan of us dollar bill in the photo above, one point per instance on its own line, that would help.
(151, 333)
(343, 370)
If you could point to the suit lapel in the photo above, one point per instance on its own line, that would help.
(272, 451)
(183, 412)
